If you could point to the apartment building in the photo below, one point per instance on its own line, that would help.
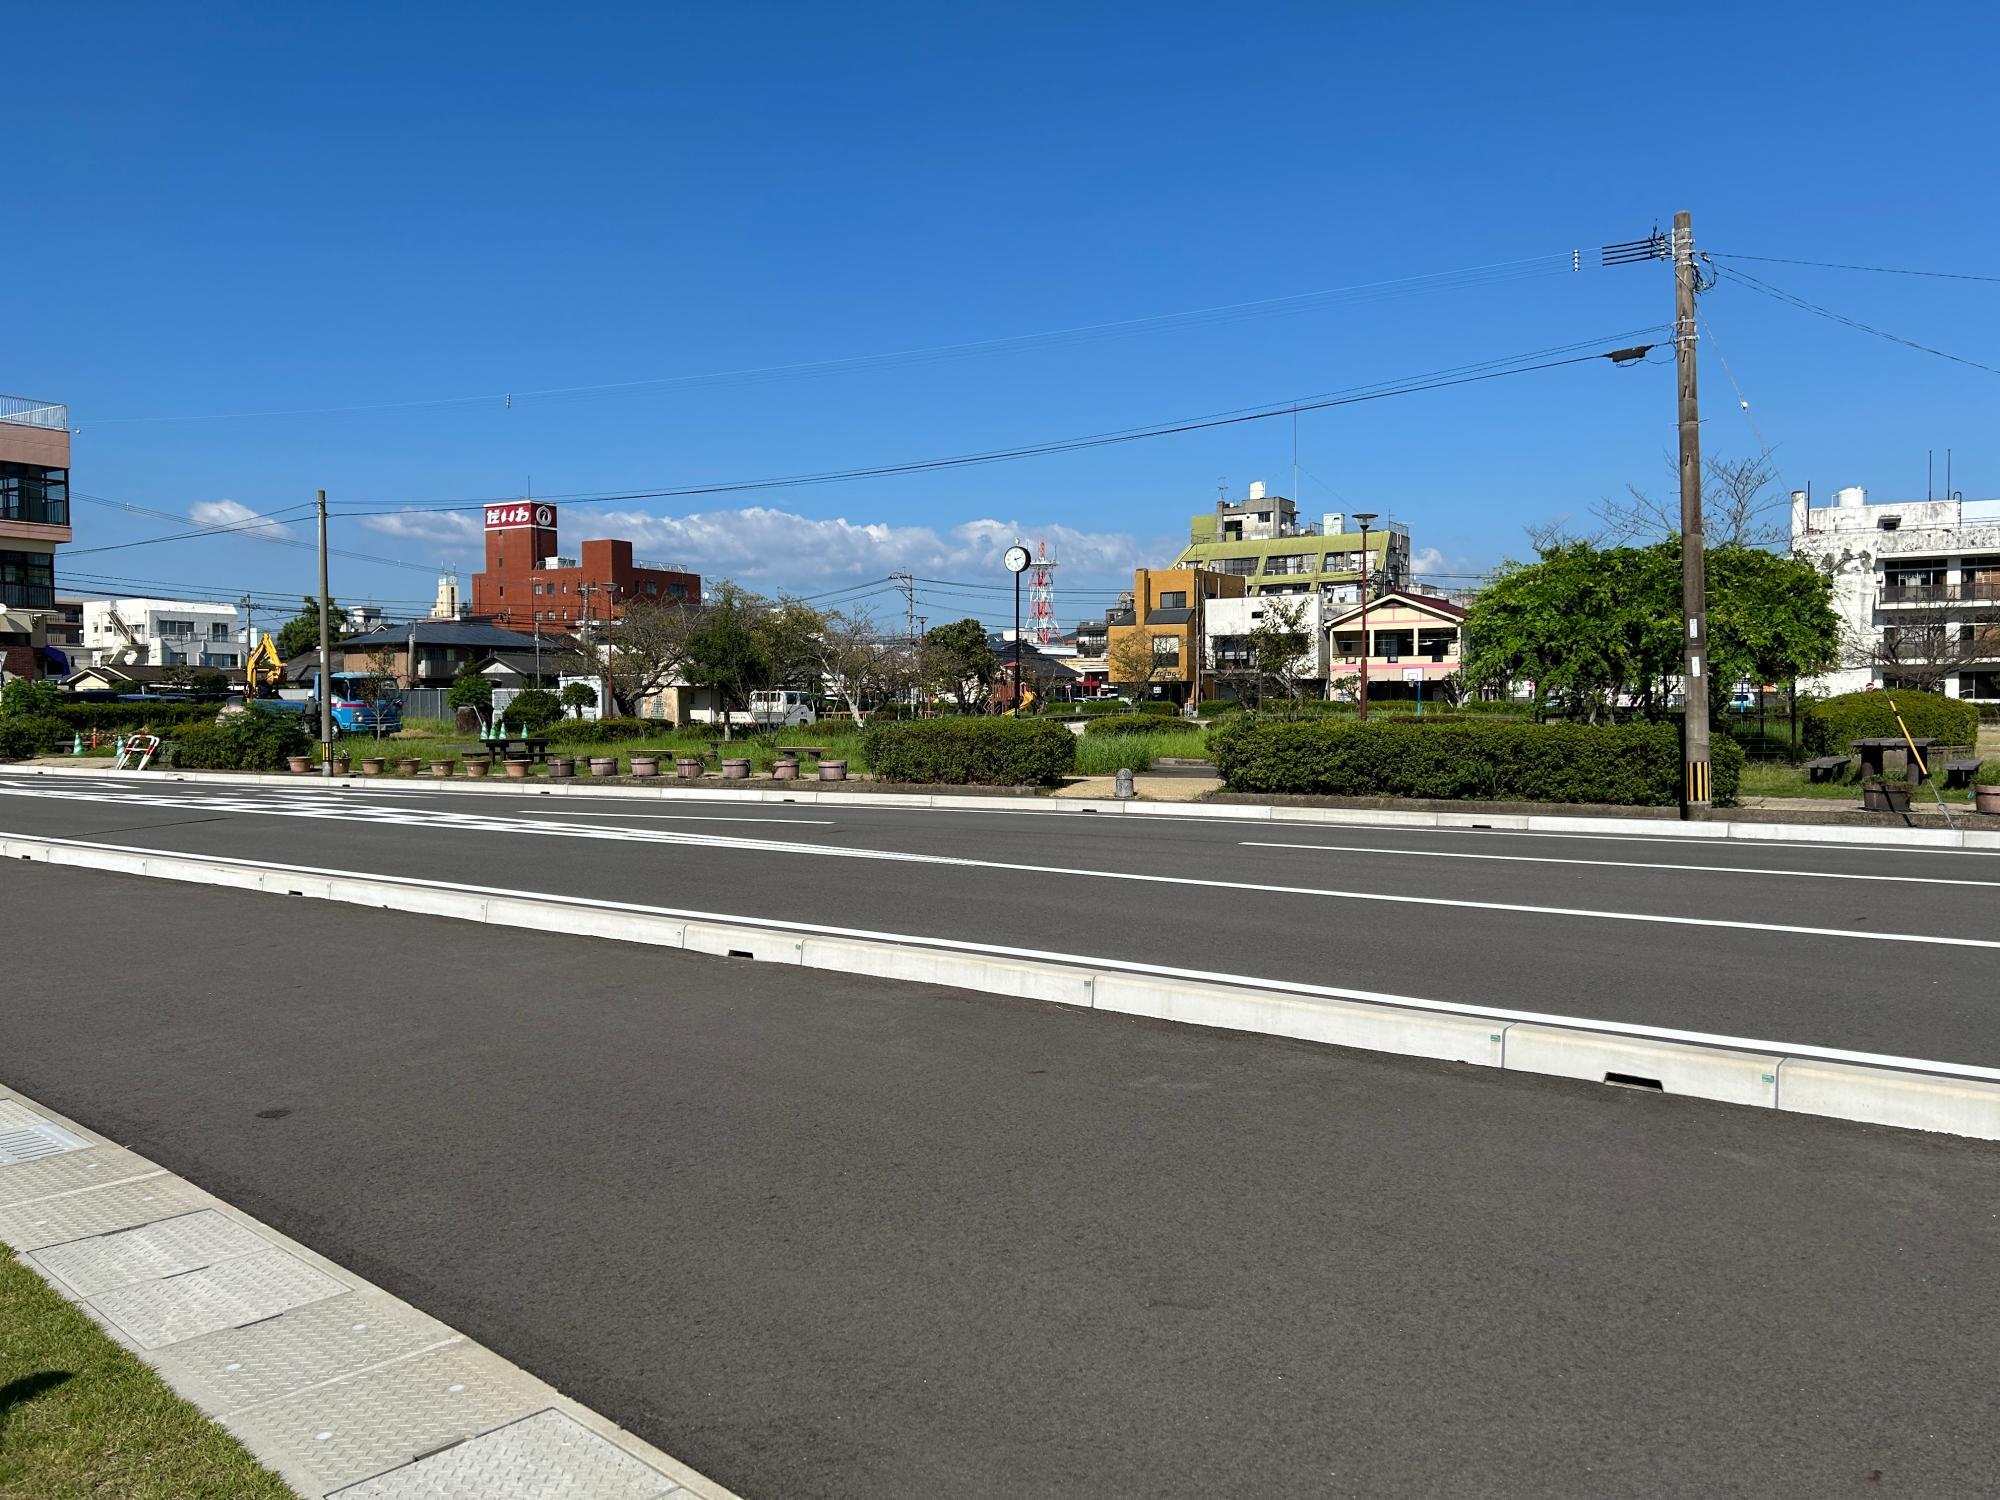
(1262, 541)
(526, 583)
(1916, 584)
(1414, 641)
(1160, 632)
(1228, 626)
(34, 521)
(161, 633)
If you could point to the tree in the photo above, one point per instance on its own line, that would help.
(25, 697)
(648, 650)
(380, 683)
(845, 654)
(961, 663)
(1281, 654)
(534, 709)
(301, 632)
(1738, 509)
(724, 652)
(470, 690)
(577, 696)
(1132, 660)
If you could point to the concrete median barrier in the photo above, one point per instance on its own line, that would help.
(1702, 1072)
(1883, 1096)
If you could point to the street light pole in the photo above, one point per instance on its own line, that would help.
(1364, 517)
(325, 654)
(1695, 791)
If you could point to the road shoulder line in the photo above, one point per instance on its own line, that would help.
(330, 1381)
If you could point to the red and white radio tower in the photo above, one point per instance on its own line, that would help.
(1042, 598)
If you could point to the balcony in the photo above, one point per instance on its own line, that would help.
(1975, 591)
(24, 412)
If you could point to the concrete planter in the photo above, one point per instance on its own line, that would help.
(604, 765)
(374, 765)
(1986, 799)
(298, 765)
(1885, 796)
(785, 770)
(833, 770)
(443, 767)
(687, 767)
(477, 767)
(645, 765)
(409, 765)
(518, 769)
(562, 765)
(736, 770)
(341, 764)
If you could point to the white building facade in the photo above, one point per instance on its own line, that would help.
(1227, 625)
(1916, 584)
(161, 633)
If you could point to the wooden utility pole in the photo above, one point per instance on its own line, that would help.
(325, 654)
(1695, 789)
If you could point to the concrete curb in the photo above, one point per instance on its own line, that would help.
(807, 794)
(340, 1388)
(1872, 1088)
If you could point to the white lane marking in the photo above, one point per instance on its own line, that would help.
(1051, 955)
(1620, 864)
(1655, 840)
(479, 823)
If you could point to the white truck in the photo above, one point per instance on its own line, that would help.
(781, 708)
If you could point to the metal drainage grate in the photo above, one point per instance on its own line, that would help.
(1634, 1081)
(31, 1142)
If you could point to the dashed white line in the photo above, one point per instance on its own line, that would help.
(1621, 864)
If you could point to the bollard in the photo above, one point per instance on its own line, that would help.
(1123, 787)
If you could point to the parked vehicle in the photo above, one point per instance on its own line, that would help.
(362, 704)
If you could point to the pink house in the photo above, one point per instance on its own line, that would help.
(1414, 640)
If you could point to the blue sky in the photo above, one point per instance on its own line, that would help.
(229, 209)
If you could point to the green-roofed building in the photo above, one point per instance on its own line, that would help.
(1262, 540)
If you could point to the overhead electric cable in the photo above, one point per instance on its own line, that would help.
(1781, 295)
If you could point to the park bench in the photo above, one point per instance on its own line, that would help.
(817, 752)
(1826, 767)
(1960, 772)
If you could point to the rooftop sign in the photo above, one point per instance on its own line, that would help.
(520, 513)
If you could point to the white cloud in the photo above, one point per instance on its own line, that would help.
(775, 550)
(1449, 569)
(233, 513)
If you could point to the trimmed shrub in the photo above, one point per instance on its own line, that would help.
(534, 709)
(603, 731)
(1634, 765)
(1988, 773)
(248, 741)
(117, 716)
(1128, 724)
(1160, 707)
(1092, 707)
(1832, 725)
(991, 752)
(23, 735)
(1215, 708)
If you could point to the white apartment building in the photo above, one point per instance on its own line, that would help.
(1917, 586)
(1226, 626)
(161, 633)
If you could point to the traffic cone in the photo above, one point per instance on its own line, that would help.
(118, 747)
(76, 745)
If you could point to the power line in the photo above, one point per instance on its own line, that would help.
(253, 523)
(277, 535)
(1834, 265)
(1782, 295)
(1492, 369)
(1563, 262)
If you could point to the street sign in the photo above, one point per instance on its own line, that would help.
(521, 513)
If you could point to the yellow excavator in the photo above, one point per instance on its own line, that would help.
(264, 671)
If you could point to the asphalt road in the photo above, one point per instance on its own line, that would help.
(1875, 949)
(821, 1236)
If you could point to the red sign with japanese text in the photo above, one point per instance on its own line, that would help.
(519, 513)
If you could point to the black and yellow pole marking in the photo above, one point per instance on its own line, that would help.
(1697, 781)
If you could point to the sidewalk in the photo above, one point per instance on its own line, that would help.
(341, 1389)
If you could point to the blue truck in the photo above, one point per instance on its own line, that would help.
(362, 704)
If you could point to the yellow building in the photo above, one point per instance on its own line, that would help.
(1162, 625)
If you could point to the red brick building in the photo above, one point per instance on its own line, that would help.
(526, 581)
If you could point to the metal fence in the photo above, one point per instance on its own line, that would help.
(425, 703)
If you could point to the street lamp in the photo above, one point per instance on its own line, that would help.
(1364, 517)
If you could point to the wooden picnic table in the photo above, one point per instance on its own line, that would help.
(1875, 753)
(817, 752)
(509, 747)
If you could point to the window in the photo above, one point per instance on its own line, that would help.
(221, 630)
(1343, 562)
(1166, 652)
(1394, 644)
(678, 590)
(1437, 644)
(27, 580)
(1347, 645)
(1242, 567)
(1289, 562)
(29, 492)
(1174, 599)
(176, 630)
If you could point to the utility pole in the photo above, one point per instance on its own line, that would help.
(1695, 791)
(325, 654)
(1364, 517)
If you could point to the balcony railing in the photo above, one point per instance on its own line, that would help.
(1978, 591)
(25, 412)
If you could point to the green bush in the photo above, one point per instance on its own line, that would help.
(1158, 706)
(1634, 765)
(602, 731)
(534, 709)
(1091, 708)
(1833, 724)
(470, 690)
(117, 716)
(1215, 708)
(1988, 773)
(241, 742)
(990, 752)
(25, 735)
(26, 697)
(1128, 724)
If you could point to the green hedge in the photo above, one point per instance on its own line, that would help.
(117, 716)
(25, 735)
(1833, 724)
(241, 742)
(603, 731)
(1215, 708)
(1128, 724)
(534, 709)
(990, 752)
(1634, 765)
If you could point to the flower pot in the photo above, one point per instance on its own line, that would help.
(373, 765)
(833, 770)
(340, 765)
(785, 770)
(604, 765)
(736, 770)
(298, 765)
(518, 769)
(1986, 799)
(1886, 796)
(645, 765)
(443, 767)
(477, 767)
(687, 767)
(562, 765)
(409, 765)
